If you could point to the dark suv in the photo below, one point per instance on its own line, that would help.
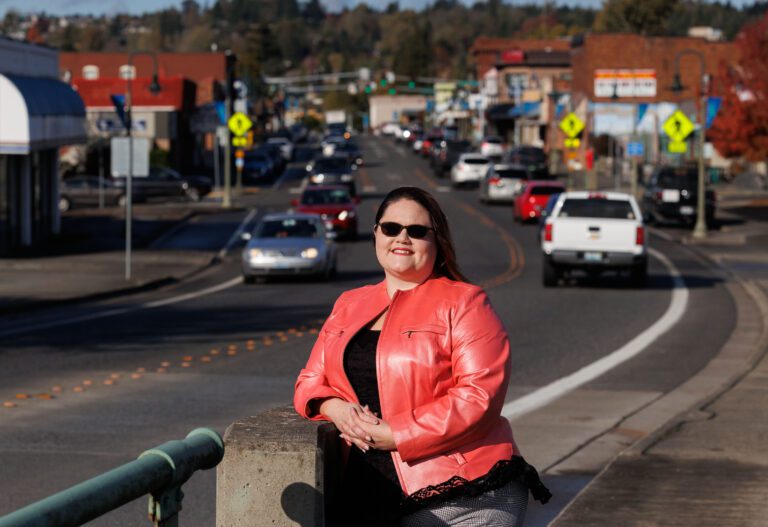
(671, 194)
(447, 154)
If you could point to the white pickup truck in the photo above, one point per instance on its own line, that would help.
(593, 232)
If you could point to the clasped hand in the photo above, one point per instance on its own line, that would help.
(358, 425)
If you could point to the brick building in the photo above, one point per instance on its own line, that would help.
(180, 119)
(621, 84)
(526, 73)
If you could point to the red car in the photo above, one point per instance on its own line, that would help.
(334, 204)
(533, 198)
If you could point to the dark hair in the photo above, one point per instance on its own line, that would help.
(445, 262)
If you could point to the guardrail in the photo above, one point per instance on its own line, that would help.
(159, 472)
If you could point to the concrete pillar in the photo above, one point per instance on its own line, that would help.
(278, 470)
(25, 201)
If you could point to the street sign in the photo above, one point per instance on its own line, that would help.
(120, 161)
(678, 127)
(677, 147)
(572, 143)
(239, 141)
(239, 123)
(571, 125)
(635, 149)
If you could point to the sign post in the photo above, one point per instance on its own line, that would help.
(239, 124)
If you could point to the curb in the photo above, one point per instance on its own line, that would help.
(151, 285)
(743, 351)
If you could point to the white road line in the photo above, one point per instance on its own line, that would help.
(394, 177)
(560, 387)
(370, 188)
(236, 235)
(443, 188)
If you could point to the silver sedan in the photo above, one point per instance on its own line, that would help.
(289, 244)
(502, 183)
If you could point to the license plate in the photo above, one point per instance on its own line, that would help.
(686, 210)
(670, 196)
(593, 257)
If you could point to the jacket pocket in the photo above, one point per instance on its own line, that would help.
(434, 329)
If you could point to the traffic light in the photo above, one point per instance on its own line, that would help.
(392, 91)
(411, 84)
(368, 89)
(383, 82)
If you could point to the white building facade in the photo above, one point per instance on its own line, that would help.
(38, 114)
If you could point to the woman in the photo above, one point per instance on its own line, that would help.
(413, 372)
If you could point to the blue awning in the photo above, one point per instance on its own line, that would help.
(527, 109)
(38, 113)
(48, 96)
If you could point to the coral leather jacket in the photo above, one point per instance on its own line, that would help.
(442, 364)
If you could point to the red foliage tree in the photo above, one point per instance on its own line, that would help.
(741, 126)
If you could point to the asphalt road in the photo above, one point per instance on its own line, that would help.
(148, 374)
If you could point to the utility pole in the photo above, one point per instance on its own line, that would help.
(227, 199)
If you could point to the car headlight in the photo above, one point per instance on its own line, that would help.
(317, 178)
(346, 177)
(309, 254)
(255, 253)
(344, 214)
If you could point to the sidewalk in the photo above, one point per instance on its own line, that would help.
(87, 261)
(709, 465)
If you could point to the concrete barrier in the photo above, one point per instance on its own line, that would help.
(278, 470)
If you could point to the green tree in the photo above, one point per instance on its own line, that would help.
(647, 17)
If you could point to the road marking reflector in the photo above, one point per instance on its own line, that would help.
(109, 382)
(188, 358)
(185, 364)
(215, 352)
(205, 359)
(87, 382)
(22, 396)
(165, 364)
(9, 404)
(141, 370)
(44, 396)
(56, 389)
(231, 353)
(78, 389)
(136, 375)
(161, 370)
(299, 334)
(115, 376)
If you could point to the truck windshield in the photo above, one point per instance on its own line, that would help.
(597, 208)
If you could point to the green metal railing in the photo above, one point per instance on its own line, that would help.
(159, 472)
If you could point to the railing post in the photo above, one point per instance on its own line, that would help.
(278, 470)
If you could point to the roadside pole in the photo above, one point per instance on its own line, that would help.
(239, 162)
(227, 200)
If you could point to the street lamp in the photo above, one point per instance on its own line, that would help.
(700, 230)
(154, 88)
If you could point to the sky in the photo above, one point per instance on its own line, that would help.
(110, 7)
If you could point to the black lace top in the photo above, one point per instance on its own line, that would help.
(371, 489)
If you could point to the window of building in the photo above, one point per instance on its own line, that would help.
(90, 72)
(127, 72)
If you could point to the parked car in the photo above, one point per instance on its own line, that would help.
(492, 146)
(533, 198)
(503, 182)
(470, 168)
(257, 166)
(447, 154)
(83, 191)
(164, 182)
(289, 244)
(672, 194)
(306, 153)
(275, 153)
(429, 140)
(351, 150)
(334, 204)
(594, 232)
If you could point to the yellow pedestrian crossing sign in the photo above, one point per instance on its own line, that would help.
(239, 141)
(678, 127)
(239, 123)
(571, 125)
(572, 143)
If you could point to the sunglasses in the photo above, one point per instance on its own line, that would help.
(392, 229)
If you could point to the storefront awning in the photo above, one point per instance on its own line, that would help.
(38, 113)
(513, 111)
